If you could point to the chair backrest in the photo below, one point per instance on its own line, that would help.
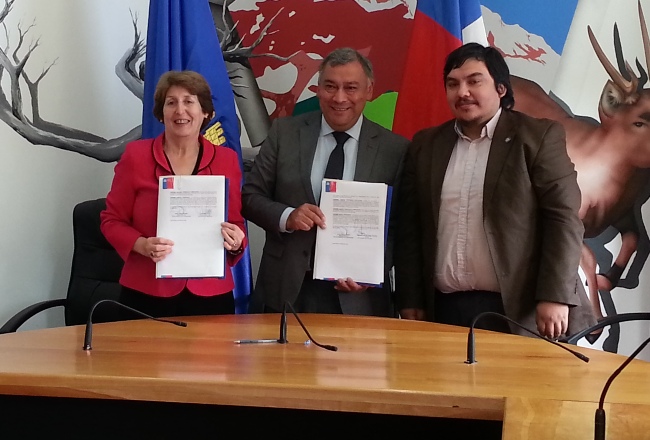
(96, 268)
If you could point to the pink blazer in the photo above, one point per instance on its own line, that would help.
(132, 206)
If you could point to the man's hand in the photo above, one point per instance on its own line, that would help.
(304, 217)
(412, 314)
(349, 285)
(552, 319)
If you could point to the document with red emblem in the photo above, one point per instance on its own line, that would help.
(352, 244)
(190, 212)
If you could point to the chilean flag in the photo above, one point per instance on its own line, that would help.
(439, 27)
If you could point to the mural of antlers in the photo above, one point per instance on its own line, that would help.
(613, 164)
(627, 86)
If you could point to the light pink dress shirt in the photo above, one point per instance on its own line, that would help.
(463, 260)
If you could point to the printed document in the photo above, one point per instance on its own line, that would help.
(352, 244)
(190, 212)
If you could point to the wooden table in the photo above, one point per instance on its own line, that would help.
(382, 366)
(538, 419)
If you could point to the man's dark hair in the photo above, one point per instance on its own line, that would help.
(492, 59)
(346, 55)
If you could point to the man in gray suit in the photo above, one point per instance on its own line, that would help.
(282, 191)
(491, 202)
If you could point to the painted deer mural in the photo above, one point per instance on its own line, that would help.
(612, 160)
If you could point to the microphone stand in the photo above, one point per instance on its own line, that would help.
(283, 329)
(599, 419)
(471, 346)
(282, 339)
(89, 324)
(283, 325)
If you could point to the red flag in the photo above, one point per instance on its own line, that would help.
(439, 27)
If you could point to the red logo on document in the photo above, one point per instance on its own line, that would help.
(168, 183)
(330, 186)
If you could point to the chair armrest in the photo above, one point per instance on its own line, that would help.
(19, 318)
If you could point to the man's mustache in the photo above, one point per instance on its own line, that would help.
(465, 102)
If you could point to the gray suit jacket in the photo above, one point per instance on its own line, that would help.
(530, 215)
(280, 178)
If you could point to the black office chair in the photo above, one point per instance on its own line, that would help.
(604, 322)
(94, 274)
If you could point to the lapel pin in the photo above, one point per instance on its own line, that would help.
(508, 139)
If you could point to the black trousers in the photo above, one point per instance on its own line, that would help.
(460, 308)
(183, 304)
(316, 296)
(320, 296)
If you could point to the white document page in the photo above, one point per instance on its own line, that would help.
(352, 244)
(190, 212)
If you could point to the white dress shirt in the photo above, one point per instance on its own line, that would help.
(324, 147)
(463, 260)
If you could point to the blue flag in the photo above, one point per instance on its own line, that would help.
(182, 36)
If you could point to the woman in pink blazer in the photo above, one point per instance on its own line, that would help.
(183, 103)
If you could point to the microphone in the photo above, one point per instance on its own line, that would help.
(283, 329)
(471, 358)
(604, 322)
(283, 325)
(599, 419)
(89, 324)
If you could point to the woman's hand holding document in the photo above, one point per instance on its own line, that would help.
(190, 212)
(352, 245)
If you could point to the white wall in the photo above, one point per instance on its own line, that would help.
(42, 183)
